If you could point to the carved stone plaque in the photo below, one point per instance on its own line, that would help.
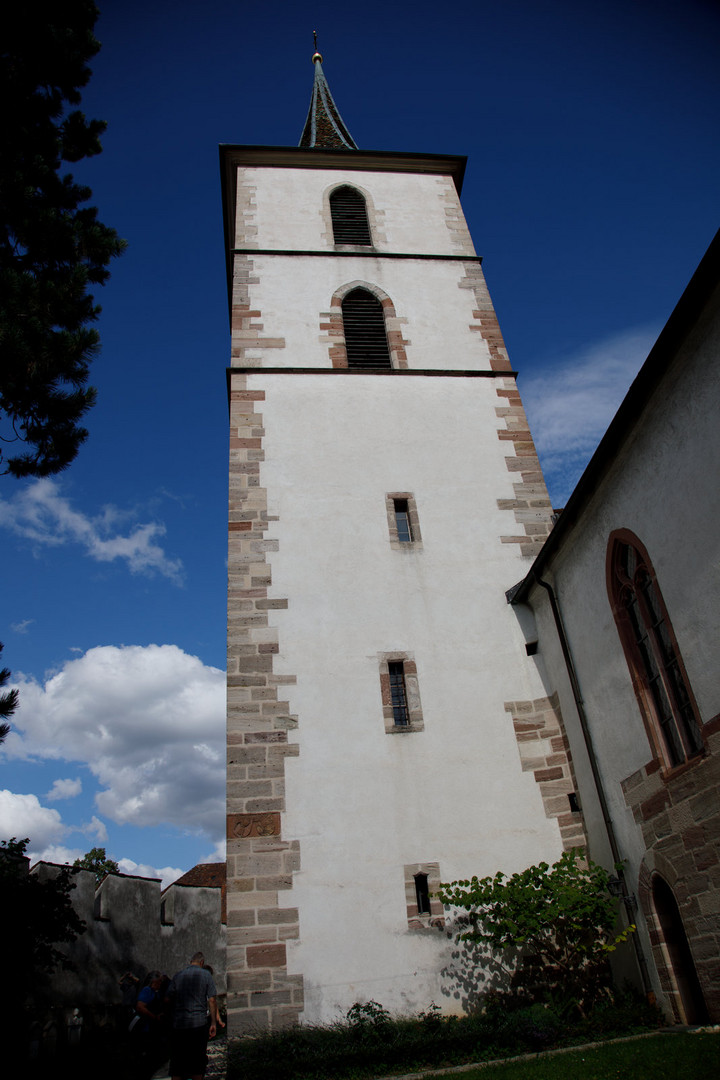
(244, 826)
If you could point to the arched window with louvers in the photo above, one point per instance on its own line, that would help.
(348, 211)
(366, 339)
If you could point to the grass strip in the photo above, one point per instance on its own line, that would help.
(661, 1056)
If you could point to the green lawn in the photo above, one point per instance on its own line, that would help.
(682, 1056)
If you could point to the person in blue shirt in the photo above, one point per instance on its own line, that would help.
(151, 1029)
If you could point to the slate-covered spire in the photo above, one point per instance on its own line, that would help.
(324, 127)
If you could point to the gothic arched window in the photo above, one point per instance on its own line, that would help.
(651, 651)
(349, 217)
(364, 325)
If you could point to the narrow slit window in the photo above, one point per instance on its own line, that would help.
(424, 910)
(366, 342)
(422, 894)
(398, 693)
(402, 521)
(349, 217)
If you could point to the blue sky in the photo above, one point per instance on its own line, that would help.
(591, 192)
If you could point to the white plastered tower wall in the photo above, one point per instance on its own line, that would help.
(331, 809)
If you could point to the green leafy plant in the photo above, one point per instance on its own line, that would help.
(432, 1017)
(373, 1043)
(96, 860)
(367, 1014)
(556, 924)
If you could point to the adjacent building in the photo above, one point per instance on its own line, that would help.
(625, 595)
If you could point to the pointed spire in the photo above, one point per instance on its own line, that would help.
(324, 127)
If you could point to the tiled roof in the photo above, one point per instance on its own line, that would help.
(324, 127)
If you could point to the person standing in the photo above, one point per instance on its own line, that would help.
(191, 992)
(151, 1031)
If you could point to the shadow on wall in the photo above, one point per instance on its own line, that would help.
(131, 926)
(476, 971)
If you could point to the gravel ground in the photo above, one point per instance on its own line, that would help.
(217, 1059)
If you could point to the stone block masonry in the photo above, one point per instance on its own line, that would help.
(678, 812)
(531, 506)
(544, 751)
(260, 861)
(248, 342)
(485, 320)
(454, 217)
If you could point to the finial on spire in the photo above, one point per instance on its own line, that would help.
(324, 127)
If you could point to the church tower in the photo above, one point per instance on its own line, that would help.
(384, 493)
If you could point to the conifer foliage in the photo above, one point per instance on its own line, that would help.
(39, 921)
(53, 249)
(8, 701)
(38, 913)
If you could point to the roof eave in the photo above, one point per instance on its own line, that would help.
(683, 319)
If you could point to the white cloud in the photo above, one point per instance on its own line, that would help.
(96, 828)
(54, 853)
(218, 854)
(24, 815)
(570, 405)
(65, 856)
(64, 789)
(168, 874)
(149, 722)
(21, 627)
(42, 514)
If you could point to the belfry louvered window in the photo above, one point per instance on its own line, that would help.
(349, 217)
(365, 336)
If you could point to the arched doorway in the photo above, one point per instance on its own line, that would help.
(682, 965)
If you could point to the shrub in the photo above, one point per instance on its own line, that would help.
(367, 1014)
(369, 1042)
(556, 925)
